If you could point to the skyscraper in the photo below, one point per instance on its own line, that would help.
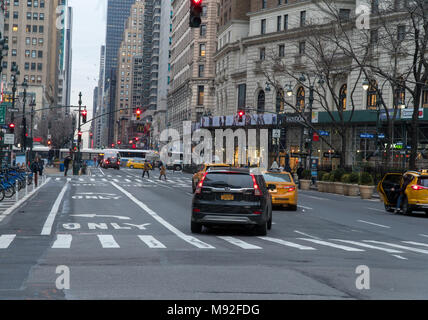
(118, 12)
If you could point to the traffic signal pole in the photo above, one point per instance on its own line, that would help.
(77, 160)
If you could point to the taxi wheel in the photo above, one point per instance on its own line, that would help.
(132, 167)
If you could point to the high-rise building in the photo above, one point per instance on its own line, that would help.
(99, 109)
(191, 92)
(117, 14)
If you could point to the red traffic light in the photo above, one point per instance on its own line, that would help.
(241, 113)
(138, 112)
(84, 112)
(80, 133)
(119, 142)
(12, 126)
(197, 2)
(112, 145)
(131, 142)
(137, 139)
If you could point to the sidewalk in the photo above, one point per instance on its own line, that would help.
(53, 171)
(375, 193)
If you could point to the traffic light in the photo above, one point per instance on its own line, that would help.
(84, 114)
(11, 128)
(49, 142)
(79, 138)
(241, 114)
(119, 142)
(138, 113)
(195, 13)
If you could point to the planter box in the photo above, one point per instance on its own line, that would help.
(331, 187)
(305, 184)
(321, 186)
(338, 188)
(353, 190)
(366, 192)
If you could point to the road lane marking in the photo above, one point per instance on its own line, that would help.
(107, 241)
(333, 245)
(115, 180)
(240, 243)
(314, 197)
(101, 171)
(127, 180)
(424, 235)
(373, 209)
(365, 245)
(306, 235)
(399, 257)
(6, 240)
(399, 246)
(81, 179)
(152, 243)
(189, 239)
(63, 241)
(92, 179)
(416, 243)
(47, 227)
(307, 208)
(57, 179)
(286, 243)
(374, 224)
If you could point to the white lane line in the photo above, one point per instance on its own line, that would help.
(399, 257)
(152, 243)
(424, 235)
(306, 235)
(333, 245)
(313, 197)
(286, 243)
(115, 180)
(92, 179)
(374, 224)
(189, 239)
(81, 179)
(6, 240)
(307, 208)
(63, 241)
(101, 171)
(373, 209)
(365, 245)
(416, 243)
(127, 180)
(240, 243)
(57, 179)
(399, 246)
(68, 179)
(47, 228)
(107, 241)
(119, 176)
(104, 180)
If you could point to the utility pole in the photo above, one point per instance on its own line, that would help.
(15, 72)
(77, 160)
(24, 121)
(32, 105)
(311, 103)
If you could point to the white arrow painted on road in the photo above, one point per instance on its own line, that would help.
(100, 216)
(95, 193)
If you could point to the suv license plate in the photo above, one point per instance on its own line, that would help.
(227, 197)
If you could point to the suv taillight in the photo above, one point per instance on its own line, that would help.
(256, 187)
(200, 184)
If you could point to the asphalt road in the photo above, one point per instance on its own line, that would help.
(121, 237)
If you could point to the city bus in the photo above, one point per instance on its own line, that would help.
(126, 154)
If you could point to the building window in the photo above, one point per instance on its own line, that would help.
(200, 95)
(400, 93)
(278, 23)
(263, 26)
(425, 96)
(204, 11)
(262, 54)
(344, 14)
(302, 47)
(202, 49)
(374, 37)
(15, 28)
(201, 70)
(343, 93)
(242, 96)
(203, 30)
(302, 18)
(263, 4)
(280, 101)
(261, 102)
(281, 51)
(372, 95)
(285, 22)
(300, 99)
(401, 32)
(14, 52)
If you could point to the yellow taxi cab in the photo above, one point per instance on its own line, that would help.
(136, 164)
(415, 193)
(201, 171)
(282, 189)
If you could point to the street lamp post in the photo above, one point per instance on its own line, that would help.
(77, 158)
(24, 120)
(32, 105)
(15, 72)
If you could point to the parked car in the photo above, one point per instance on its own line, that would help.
(232, 196)
(282, 188)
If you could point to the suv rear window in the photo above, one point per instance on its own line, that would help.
(231, 180)
(276, 177)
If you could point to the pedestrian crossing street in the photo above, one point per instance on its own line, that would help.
(130, 180)
(108, 241)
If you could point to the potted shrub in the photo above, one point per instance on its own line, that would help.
(331, 188)
(345, 180)
(338, 185)
(322, 184)
(353, 189)
(305, 182)
(366, 185)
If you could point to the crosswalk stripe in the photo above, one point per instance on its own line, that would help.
(6, 240)
(115, 180)
(287, 243)
(81, 179)
(119, 176)
(107, 241)
(416, 243)
(240, 243)
(57, 179)
(399, 246)
(63, 241)
(92, 179)
(330, 244)
(127, 180)
(152, 243)
(104, 179)
(365, 245)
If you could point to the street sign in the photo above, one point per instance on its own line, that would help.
(49, 136)
(13, 109)
(324, 133)
(9, 138)
(366, 136)
(276, 133)
(2, 115)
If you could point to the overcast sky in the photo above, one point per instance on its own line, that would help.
(89, 26)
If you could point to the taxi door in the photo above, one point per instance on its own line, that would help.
(388, 186)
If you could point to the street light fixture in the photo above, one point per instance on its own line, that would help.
(290, 90)
(366, 85)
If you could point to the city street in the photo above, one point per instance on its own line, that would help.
(126, 238)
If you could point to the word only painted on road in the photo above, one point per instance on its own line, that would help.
(105, 226)
(96, 196)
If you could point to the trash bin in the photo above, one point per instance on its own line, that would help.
(61, 167)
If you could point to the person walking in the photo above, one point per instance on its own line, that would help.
(146, 169)
(162, 172)
(41, 165)
(300, 173)
(67, 161)
(35, 170)
(401, 194)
